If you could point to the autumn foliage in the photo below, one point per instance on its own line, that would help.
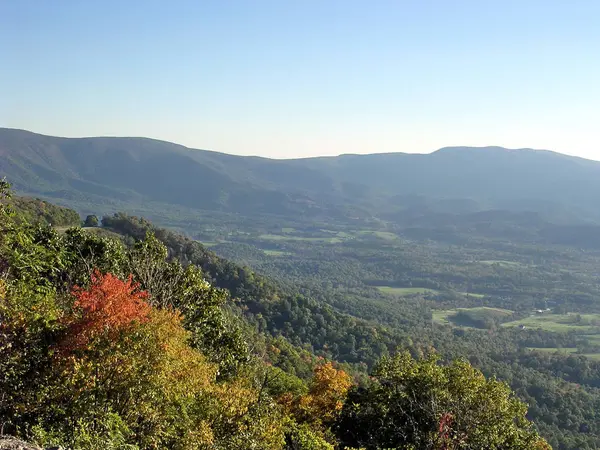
(106, 308)
(325, 398)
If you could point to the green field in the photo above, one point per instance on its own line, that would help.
(405, 291)
(568, 350)
(553, 349)
(560, 322)
(443, 316)
(380, 234)
(472, 294)
(276, 253)
(502, 263)
(593, 339)
(279, 237)
(210, 243)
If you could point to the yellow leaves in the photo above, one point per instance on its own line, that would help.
(177, 369)
(328, 380)
(325, 398)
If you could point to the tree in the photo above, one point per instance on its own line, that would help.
(91, 221)
(107, 307)
(423, 405)
(315, 411)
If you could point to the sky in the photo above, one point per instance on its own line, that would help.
(295, 78)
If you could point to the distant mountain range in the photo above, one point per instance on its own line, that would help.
(102, 174)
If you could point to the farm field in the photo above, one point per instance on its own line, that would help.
(579, 323)
(279, 237)
(472, 294)
(276, 253)
(502, 263)
(401, 292)
(386, 235)
(481, 313)
(567, 350)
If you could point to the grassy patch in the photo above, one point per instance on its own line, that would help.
(275, 253)
(210, 243)
(567, 350)
(471, 294)
(502, 263)
(593, 339)
(560, 322)
(386, 235)
(278, 237)
(553, 349)
(405, 291)
(445, 316)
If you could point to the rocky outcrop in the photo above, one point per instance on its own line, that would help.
(11, 443)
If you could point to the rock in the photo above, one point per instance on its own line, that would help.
(10, 443)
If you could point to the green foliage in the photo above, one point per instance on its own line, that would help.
(302, 437)
(421, 404)
(91, 221)
(169, 284)
(34, 211)
(218, 357)
(29, 324)
(304, 301)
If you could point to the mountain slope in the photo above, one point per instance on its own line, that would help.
(109, 172)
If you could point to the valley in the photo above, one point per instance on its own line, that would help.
(514, 291)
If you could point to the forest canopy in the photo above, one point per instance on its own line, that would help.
(109, 344)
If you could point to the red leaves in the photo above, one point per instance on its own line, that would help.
(107, 307)
(445, 429)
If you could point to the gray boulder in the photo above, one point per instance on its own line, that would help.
(10, 443)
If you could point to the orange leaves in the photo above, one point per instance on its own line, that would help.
(107, 307)
(328, 391)
(326, 396)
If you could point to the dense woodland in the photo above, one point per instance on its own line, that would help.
(137, 337)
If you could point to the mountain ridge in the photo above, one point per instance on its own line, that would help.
(99, 171)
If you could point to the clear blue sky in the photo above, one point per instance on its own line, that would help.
(307, 77)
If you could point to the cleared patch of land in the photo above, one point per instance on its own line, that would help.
(480, 313)
(380, 234)
(276, 253)
(406, 291)
(553, 349)
(502, 263)
(579, 323)
(278, 237)
(472, 294)
(567, 350)
(210, 243)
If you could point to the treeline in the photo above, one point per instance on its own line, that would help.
(36, 211)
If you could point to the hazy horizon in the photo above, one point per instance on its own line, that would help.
(285, 80)
(292, 157)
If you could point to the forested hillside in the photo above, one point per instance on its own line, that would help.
(127, 343)
(561, 389)
(144, 175)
